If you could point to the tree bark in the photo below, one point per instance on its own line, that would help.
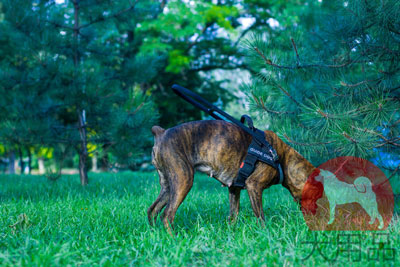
(29, 160)
(94, 163)
(41, 165)
(83, 154)
(21, 161)
(11, 162)
(104, 161)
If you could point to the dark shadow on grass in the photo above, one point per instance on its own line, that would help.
(212, 210)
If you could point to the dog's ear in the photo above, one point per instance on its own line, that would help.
(157, 130)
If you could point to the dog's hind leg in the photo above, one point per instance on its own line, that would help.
(234, 202)
(160, 202)
(157, 206)
(180, 183)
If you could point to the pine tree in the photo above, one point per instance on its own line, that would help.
(26, 105)
(332, 88)
(81, 76)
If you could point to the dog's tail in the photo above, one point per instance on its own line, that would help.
(157, 132)
(363, 185)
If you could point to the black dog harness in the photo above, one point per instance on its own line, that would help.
(259, 149)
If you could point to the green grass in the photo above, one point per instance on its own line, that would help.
(105, 224)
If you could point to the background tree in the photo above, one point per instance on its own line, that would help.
(26, 105)
(191, 37)
(78, 75)
(63, 79)
(332, 88)
(196, 39)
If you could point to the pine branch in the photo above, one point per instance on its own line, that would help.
(392, 29)
(224, 67)
(295, 49)
(325, 115)
(386, 141)
(353, 85)
(395, 123)
(348, 137)
(255, 24)
(394, 172)
(104, 18)
(59, 25)
(287, 93)
(261, 104)
(306, 144)
(208, 25)
(353, 112)
(269, 62)
(389, 142)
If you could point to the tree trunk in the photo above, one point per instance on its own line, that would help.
(83, 154)
(29, 160)
(94, 163)
(82, 168)
(11, 162)
(81, 112)
(104, 165)
(21, 160)
(41, 165)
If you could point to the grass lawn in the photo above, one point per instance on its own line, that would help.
(105, 223)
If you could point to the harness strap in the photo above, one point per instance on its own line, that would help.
(280, 174)
(246, 118)
(259, 149)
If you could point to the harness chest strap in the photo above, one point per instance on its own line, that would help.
(258, 152)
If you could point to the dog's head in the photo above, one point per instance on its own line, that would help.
(324, 175)
(312, 191)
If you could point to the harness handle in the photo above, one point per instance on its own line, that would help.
(217, 113)
(246, 118)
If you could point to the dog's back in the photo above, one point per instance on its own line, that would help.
(214, 147)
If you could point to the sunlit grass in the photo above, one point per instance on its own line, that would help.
(106, 223)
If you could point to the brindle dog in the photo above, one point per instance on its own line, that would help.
(217, 148)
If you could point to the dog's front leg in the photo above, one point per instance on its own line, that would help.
(255, 194)
(234, 202)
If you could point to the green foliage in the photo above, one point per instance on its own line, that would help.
(177, 61)
(219, 15)
(330, 87)
(187, 37)
(57, 71)
(178, 42)
(105, 223)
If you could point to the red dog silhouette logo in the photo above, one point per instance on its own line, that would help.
(347, 193)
